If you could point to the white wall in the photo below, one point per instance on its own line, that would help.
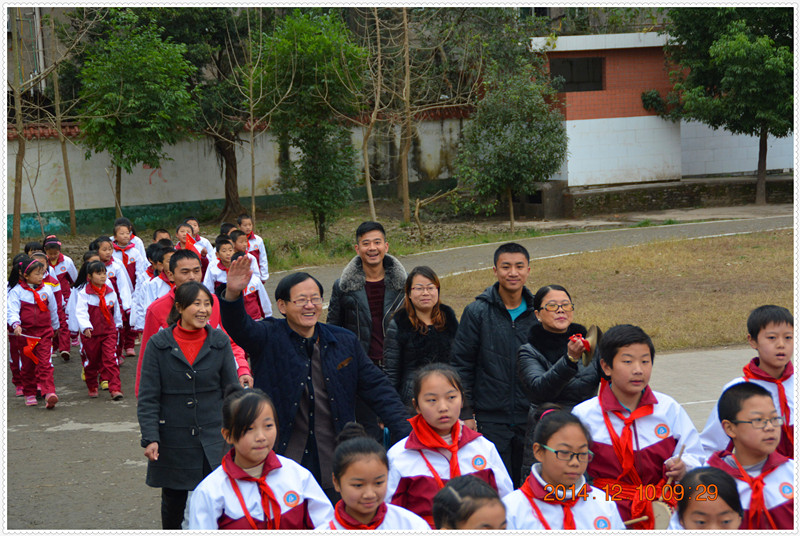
(706, 151)
(622, 150)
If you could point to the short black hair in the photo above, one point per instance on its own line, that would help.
(240, 408)
(191, 218)
(160, 231)
(221, 240)
(162, 252)
(369, 226)
(760, 317)
(243, 217)
(732, 398)
(180, 255)
(226, 227)
(150, 251)
(284, 289)
(238, 255)
(235, 234)
(619, 336)
(708, 476)
(165, 243)
(33, 246)
(511, 247)
(184, 224)
(353, 443)
(461, 497)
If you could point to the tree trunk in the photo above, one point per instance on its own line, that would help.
(16, 235)
(226, 149)
(406, 137)
(252, 169)
(373, 118)
(118, 192)
(761, 175)
(321, 227)
(510, 208)
(62, 140)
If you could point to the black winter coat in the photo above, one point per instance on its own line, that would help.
(180, 407)
(485, 355)
(348, 306)
(405, 349)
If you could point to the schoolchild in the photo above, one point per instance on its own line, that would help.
(160, 234)
(205, 243)
(468, 503)
(138, 302)
(118, 275)
(764, 477)
(150, 251)
(360, 472)
(256, 300)
(226, 227)
(33, 246)
(555, 495)
(65, 272)
(97, 311)
(709, 501)
(158, 286)
(770, 332)
(135, 263)
(32, 315)
(72, 322)
(255, 246)
(50, 280)
(16, 344)
(252, 479)
(217, 273)
(135, 240)
(439, 447)
(637, 432)
(240, 244)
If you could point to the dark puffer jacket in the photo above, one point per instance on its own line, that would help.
(349, 308)
(485, 355)
(180, 407)
(405, 349)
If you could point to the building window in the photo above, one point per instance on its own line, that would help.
(578, 74)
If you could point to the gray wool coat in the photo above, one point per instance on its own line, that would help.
(180, 407)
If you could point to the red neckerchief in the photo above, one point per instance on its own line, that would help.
(59, 261)
(101, 293)
(351, 523)
(752, 372)
(268, 499)
(532, 489)
(428, 437)
(166, 280)
(251, 236)
(221, 266)
(36, 298)
(123, 249)
(757, 506)
(150, 272)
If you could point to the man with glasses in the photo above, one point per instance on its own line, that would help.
(312, 371)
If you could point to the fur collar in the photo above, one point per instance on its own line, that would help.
(353, 277)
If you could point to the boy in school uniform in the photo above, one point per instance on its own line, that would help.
(217, 273)
(240, 244)
(255, 246)
(637, 433)
(64, 269)
(205, 243)
(763, 477)
(158, 286)
(770, 332)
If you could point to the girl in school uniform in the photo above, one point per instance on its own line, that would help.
(555, 496)
(118, 275)
(440, 447)
(51, 280)
(64, 270)
(254, 488)
(97, 312)
(32, 315)
(360, 471)
(468, 503)
(695, 509)
(126, 253)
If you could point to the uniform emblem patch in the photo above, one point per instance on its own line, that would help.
(602, 523)
(479, 462)
(662, 430)
(291, 499)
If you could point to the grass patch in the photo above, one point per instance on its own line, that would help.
(684, 294)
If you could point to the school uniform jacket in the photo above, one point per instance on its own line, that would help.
(778, 490)
(89, 316)
(214, 504)
(594, 512)
(216, 275)
(256, 301)
(139, 303)
(50, 280)
(412, 485)
(66, 273)
(118, 276)
(396, 518)
(22, 310)
(206, 243)
(153, 290)
(136, 265)
(714, 438)
(656, 438)
(255, 246)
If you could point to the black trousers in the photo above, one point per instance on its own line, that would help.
(173, 503)
(509, 439)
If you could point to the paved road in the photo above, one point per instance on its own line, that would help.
(81, 466)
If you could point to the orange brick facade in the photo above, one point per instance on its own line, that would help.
(627, 72)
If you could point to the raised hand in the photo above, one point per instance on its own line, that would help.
(239, 274)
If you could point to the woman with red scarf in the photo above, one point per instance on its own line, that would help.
(439, 447)
(555, 496)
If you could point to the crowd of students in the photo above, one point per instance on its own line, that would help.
(617, 457)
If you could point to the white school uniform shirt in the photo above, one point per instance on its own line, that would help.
(214, 275)
(292, 484)
(396, 518)
(255, 286)
(139, 305)
(133, 256)
(257, 244)
(115, 269)
(84, 300)
(66, 266)
(206, 244)
(18, 295)
(72, 323)
(592, 513)
(153, 290)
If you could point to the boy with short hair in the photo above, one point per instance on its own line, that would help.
(216, 274)
(204, 242)
(255, 246)
(637, 433)
(157, 286)
(770, 331)
(764, 477)
(160, 234)
(240, 243)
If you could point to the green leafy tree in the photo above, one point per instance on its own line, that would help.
(516, 138)
(734, 71)
(139, 102)
(315, 75)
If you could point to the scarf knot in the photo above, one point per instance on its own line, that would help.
(351, 523)
(269, 502)
(101, 294)
(430, 439)
(40, 303)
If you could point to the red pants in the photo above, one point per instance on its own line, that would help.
(100, 353)
(127, 335)
(15, 356)
(40, 374)
(63, 333)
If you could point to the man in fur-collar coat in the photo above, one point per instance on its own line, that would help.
(365, 297)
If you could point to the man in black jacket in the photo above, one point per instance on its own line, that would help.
(364, 298)
(492, 329)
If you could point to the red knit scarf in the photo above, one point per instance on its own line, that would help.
(351, 523)
(757, 506)
(101, 294)
(40, 303)
(123, 249)
(268, 499)
(432, 440)
(533, 490)
(752, 372)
